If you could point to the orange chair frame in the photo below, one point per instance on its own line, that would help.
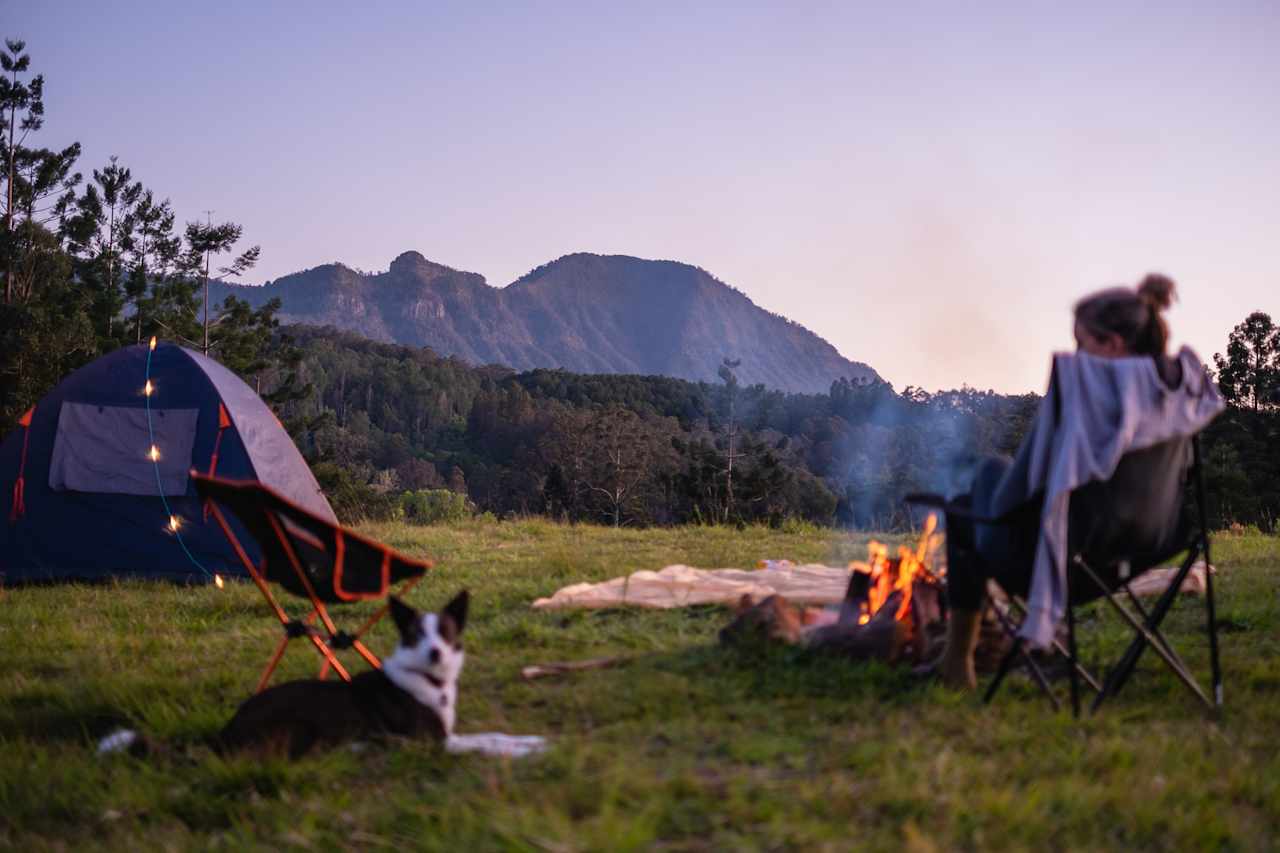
(329, 640)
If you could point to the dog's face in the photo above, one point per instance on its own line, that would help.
(430, 643)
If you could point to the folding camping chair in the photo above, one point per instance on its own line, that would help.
(310, 558)
(1150, 481)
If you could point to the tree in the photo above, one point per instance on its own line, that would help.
(205, 241)
(1249, 375)
(566, 449)
(16, 97)
(730, 379)
(31, 176)
(621, 463)
(98, 233)
(153, 250)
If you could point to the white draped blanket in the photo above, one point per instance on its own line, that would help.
(683, 586)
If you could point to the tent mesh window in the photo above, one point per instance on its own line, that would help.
(108, 449)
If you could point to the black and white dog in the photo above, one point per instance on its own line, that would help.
(413, 695)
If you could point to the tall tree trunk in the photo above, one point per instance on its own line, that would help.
(8, 208)
(206, 303)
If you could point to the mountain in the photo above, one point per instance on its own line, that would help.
(585, 313)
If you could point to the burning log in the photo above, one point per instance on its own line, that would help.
(774, 619)
(892, 611)
(882, 637)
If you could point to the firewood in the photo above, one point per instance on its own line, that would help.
(882, 638)
(542, 670)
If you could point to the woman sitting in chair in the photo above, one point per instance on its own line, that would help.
(1094, 413)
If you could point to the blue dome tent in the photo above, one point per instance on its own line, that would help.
(94, 482)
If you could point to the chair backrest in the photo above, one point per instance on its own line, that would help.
(1137, 515)
(305, 554)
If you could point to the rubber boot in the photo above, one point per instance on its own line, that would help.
(957, 659)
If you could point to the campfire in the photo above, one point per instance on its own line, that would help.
(871, 583)
(893, 608)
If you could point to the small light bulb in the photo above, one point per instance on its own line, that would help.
(153, 342)
(154, 454)
(174, 523)
(218, 580)
(148, 388)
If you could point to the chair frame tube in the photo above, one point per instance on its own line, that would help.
(323, 646)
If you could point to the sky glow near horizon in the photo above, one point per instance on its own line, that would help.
(927, 187)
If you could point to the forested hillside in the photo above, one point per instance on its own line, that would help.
(630, 449)
(381, 419)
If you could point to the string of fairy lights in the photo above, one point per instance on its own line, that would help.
(174, 525)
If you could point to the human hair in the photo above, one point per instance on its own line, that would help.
(1135, 314)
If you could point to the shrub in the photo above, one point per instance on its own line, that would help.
(353, 500)
(434, 506)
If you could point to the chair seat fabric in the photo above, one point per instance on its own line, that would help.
(339, 564)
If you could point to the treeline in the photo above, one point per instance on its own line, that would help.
(382, 419)
(1242, 448)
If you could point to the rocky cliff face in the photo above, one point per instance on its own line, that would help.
(585, 313)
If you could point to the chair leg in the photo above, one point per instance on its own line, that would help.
(1211, 615)
(1005, 665)
(1145, 637)
(273, 663)
(330, 660)
(1037, 674)
(1210, 607)
(1071, 656)
(370, 657)
(1078, 668)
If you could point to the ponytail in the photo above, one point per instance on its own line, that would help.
(1136, 315)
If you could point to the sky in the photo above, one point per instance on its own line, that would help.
(930, 187)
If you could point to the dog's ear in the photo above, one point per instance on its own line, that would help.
(456, 610)
(408, 621)
(744, 604)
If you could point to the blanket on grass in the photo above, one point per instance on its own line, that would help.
(812, 584)
(684, 586)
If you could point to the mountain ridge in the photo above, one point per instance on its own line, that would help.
(583, 312)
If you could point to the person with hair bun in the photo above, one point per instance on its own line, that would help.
(1126, 321)
(1119, 393)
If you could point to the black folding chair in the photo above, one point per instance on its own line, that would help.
(1148, 487)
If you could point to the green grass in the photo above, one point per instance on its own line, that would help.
(689, 747)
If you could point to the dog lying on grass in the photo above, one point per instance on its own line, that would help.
(413, 695)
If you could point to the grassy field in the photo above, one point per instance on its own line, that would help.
(689, 747)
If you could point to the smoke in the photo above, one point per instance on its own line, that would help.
(898, 444)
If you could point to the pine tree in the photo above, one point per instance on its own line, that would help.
(1249, 374)
(205, 241)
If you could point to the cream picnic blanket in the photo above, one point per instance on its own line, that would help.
(682, 586)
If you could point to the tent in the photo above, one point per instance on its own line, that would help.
(94, 481)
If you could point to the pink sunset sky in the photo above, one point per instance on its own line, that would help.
(928, 187)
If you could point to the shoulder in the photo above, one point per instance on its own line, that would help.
(1169, 369)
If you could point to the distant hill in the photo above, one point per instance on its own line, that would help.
(585, 313)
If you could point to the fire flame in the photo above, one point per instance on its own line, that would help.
(888, 576)
(217, 579)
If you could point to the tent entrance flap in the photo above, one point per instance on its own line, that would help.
(108, 450)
